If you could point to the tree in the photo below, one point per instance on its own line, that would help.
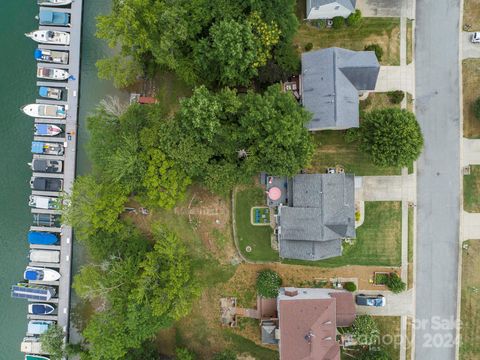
(94, 207)
(476, 108)
(350, 286)
(268, 283)
(365, 330)
(184, 354)
(377, 49)
(392, 137)
(377, 353)
(395, 283)
(225, 355)
(123, 70)
(354, 18)
(53, 342)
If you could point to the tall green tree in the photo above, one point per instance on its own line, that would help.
(53, 342)
(365, 330)
(392, 137)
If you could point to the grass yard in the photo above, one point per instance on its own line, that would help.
(376, 101)
(471, 79)
(382, 31)
(409, 339)
(257, 237)
(170, 89)
(470, 311)
(471, 190)
(410, 47)
(471, 14)
(331, 149)
(378, 239)
(389, 327)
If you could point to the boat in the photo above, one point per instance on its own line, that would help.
(54, 2)
(32, 292)
(45, 111)
(53, 18)
(50, 92)
(46, 220)
(52, 74)
(47, 130)
(36, 357)
(51, 56)
(45, 256)
(44, 202)
(46, 184)
(40, 309)
(46, 166)
(31, 345)
(38, 327)
(50, 37)
(42, 238)
(40, 147)
(40, 274)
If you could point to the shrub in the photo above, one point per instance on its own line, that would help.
(308, 46)
(381, 279)
(396, 96)
(354, 18)
(357, 215)
(319, 23)
(377, 48)
(225, 355)
(476, 108)
(365, 330)
(268, 283)
(350, 286)
(184, 354)
(395, 283)
(338, 22)
(352, 135)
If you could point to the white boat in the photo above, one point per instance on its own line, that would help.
(51, 56)
(45, 256)
(54, 2)
(44, 202)
(52, 73)
(47, 130)
(45, 111)
(33, 273)
(50, 37)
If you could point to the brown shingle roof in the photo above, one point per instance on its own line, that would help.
(345, 308)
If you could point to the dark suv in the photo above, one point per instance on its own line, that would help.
(370, 300)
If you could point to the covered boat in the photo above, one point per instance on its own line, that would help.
(54, 2)
(47, 130)
(40, 147)
(46, 184)
(40, 274)
(40, 309)
(51, 56)
(52, 74)
(44, 202)
(32, 292)
(32, 345)
(45, 111)
(54, 18)
(46, 166)
(46, 220)
(38, 327)
(50, 37)
(50, 92)
(36, 357)
(45, 256)
(41, 238)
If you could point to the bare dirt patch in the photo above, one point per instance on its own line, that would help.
(471, 80)
(471, 14)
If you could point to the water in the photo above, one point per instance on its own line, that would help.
(17, 87)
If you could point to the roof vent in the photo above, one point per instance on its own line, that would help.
(290, 291)
(309, 336)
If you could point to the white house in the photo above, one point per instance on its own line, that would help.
(328, 9)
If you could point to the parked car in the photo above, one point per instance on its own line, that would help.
(475, 37)
(370, 300)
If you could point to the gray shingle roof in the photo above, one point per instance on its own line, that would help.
(322, 212)
(349, 4)
(331, 80)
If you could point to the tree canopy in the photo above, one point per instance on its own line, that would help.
(392, 137)
(365, 330)
(268, 283)
(52, 342)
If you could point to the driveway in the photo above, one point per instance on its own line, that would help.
(384, 8)
(438, 182)
(469, 50)
(471, 152)
(396, 305)
(392, 78)
(386, 188)
(471, 226)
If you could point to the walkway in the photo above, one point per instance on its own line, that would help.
(439, 186)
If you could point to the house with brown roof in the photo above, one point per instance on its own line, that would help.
(307, 322)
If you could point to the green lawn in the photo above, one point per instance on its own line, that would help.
(470, 305)
(471, 190)
(257, 237)
(331, 150)
(409, 41)
(389, 327)
(382, 31)
(378, 240)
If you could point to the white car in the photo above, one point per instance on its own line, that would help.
(475, 37)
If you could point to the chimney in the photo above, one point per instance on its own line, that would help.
(291, 291)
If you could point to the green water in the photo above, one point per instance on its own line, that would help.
(17, 87)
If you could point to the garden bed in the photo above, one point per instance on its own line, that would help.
(380, 278)
(260, 216)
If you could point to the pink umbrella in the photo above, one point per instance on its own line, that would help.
(274, 193)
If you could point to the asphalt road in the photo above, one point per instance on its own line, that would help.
(438, 183)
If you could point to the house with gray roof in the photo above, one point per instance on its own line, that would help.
(328, 9)
(317, 215)
(331, 81)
